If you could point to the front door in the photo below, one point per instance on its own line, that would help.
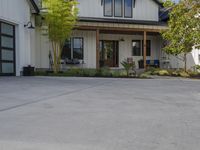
(7, 49)
(109, 51)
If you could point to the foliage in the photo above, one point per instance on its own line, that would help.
(60, 18)
(127, 66)
(184, 27)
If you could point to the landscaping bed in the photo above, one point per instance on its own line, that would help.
(77, 72)
(171, 72)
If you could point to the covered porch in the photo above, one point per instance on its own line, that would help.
(117, 42)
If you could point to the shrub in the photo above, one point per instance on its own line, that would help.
(180, 73)
(144, 75)
(40, 73)
(89, 72)
(127, 66)
(184, 74)
(160, 72)
(105, 72)
(163, 73)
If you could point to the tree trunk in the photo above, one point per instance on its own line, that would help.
(56, 56)
(185, 62)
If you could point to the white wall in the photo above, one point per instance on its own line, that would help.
(17, 12)
(144, 10)
(193, 58)
(125, 48)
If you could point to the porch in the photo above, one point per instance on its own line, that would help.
(108, 44)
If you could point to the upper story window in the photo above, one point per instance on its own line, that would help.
(118, 8)
(108, 8)
(128, 8)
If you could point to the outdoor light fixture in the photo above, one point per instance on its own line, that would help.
(29, 25)
(121, 40)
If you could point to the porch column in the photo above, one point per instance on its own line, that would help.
(145, 49)
(97, 49)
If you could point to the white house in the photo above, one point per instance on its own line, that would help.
(108, 31)
(16, 44)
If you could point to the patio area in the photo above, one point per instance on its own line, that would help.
(99, 114)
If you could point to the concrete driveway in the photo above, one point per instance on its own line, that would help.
(40, 113)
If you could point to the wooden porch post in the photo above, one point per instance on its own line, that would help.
(145, 49)
(97, 49)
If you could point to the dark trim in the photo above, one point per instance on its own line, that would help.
(140, 47)
(158, 2)
(111, 10)
(72, 47)
(10, 49)
(121, 9)
(131, 10)
(35, 6)
(122, 21)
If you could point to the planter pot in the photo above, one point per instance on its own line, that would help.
(28, 71)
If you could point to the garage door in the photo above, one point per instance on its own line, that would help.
(7, 49)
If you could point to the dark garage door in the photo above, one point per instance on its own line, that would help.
(7, 49)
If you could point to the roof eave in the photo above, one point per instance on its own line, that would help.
(37, 10)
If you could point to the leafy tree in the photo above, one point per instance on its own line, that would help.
(184, 27)
(60, 17)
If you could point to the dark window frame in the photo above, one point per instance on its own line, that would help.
(139, 45)
(111, 9)
(131, 10)
(9, 49)
(71, 43)
(121, 9)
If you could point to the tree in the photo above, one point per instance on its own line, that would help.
(184, 27)
(60, 17)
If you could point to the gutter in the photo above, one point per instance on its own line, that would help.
(35, 6)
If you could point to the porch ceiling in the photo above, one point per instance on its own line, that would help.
(119, 27)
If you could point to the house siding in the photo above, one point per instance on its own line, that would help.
(17, 12)
(143, 10)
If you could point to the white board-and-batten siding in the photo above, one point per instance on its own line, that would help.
(125, 47)
(146, 10)
(18, 13)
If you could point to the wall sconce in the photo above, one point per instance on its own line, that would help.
(121, 40)
(29, 25)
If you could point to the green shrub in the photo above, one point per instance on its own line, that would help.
(184, 74)
(127, 66)
(89, 72)
(144, 75)
(163, 73)
(160, 72)
(180, 73)
(104, 72)
(40, 73)
(72, 72)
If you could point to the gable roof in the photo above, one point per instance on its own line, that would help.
(35, 6)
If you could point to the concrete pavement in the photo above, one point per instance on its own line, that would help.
(41, 113)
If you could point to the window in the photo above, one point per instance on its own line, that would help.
(78, 48)
(136, 48)
(118, 8)
(128, 5)
(66, 52)
(7, 49)
(148, 53)
(73, 49)
(108, 8)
